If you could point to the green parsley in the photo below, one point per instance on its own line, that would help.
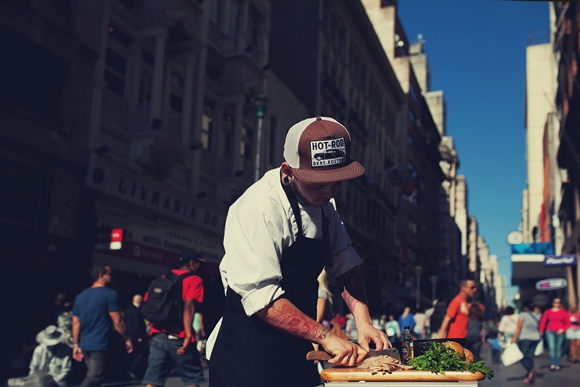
(439, 358)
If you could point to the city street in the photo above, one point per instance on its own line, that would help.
(503, 376)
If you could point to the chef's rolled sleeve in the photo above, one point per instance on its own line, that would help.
(252, 268)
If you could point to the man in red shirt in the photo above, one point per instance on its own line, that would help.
(175, 341)
(455, 322)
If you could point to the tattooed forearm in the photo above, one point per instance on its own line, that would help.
(284, 315)
(353, 288)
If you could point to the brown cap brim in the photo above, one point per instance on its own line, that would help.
(333, 175)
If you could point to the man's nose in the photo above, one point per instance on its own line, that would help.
(331, 190)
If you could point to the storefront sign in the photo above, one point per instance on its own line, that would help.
(163, 242)
(111, 180)
(560, 260)
(551, 284)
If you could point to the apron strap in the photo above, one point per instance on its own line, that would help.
(294, 204)
(326, 237)
(325, 222)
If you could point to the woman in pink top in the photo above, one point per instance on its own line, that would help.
(555, 321)
(573, 334)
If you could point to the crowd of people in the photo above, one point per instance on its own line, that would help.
(462, 319)
(78, 348)
(58, 344)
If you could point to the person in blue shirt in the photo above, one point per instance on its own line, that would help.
(406, 319)
(93, 310)
(495, 347)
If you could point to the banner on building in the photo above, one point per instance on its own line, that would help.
(545, 248)
(560, 260)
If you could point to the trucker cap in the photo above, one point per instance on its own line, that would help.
(191, 254)
(318, 150)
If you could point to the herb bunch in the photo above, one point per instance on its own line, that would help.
(439, 358)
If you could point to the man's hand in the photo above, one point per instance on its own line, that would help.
(129, 345)
(345, 353)
(366, 334)
(77, 354)
(185, 347)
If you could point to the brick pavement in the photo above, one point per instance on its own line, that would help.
(513, 375)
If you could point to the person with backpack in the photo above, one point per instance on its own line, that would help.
(169, 305)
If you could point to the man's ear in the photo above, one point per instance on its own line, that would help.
(285, 169)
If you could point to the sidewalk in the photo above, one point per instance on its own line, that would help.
(503, 376)
(514, 374)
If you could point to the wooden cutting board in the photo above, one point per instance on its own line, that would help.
(362, 374)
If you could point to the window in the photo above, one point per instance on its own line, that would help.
(216, 12)
(207, 124)
(253, 30)
(228, 133)
(234, 20)
(116, 60)
(176, 95)
(273, 141)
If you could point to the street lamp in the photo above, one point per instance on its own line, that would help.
(260, 101)
(418, 270)
(434, 280)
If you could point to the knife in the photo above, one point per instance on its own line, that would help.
(325, 356)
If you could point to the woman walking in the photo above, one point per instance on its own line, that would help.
(508, 324)
(555, 321)
(527, 335)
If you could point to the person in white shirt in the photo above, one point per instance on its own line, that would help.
(51, 361)
(419, 328)
(279, 235)
(508, 324)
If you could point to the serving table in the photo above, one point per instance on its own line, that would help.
(348, 377)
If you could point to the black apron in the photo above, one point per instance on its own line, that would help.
(248, 351)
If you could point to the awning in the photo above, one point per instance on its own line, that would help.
(529, 268)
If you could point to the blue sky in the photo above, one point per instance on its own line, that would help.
(476, 50)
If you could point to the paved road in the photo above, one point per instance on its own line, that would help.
(503, 376)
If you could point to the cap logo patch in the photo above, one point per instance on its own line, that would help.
(325, 153)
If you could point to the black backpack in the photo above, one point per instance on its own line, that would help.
(164, 300)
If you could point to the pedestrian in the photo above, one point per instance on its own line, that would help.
(456, 318)
(554, 323)
(137, 330)
(350, 327)
(474, 340)
(93, 310)
(436, 318)
(420, 320)
(172, 343)
(393, 329)
(494, 342)
(428, 314)
(51, 361)
(573, 335)
(324, 303)
(507, 324)
(64, 322)
(406, 319)
(279, 235)
(527, 336)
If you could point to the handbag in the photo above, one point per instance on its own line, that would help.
(511, 354)
(539, 348)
